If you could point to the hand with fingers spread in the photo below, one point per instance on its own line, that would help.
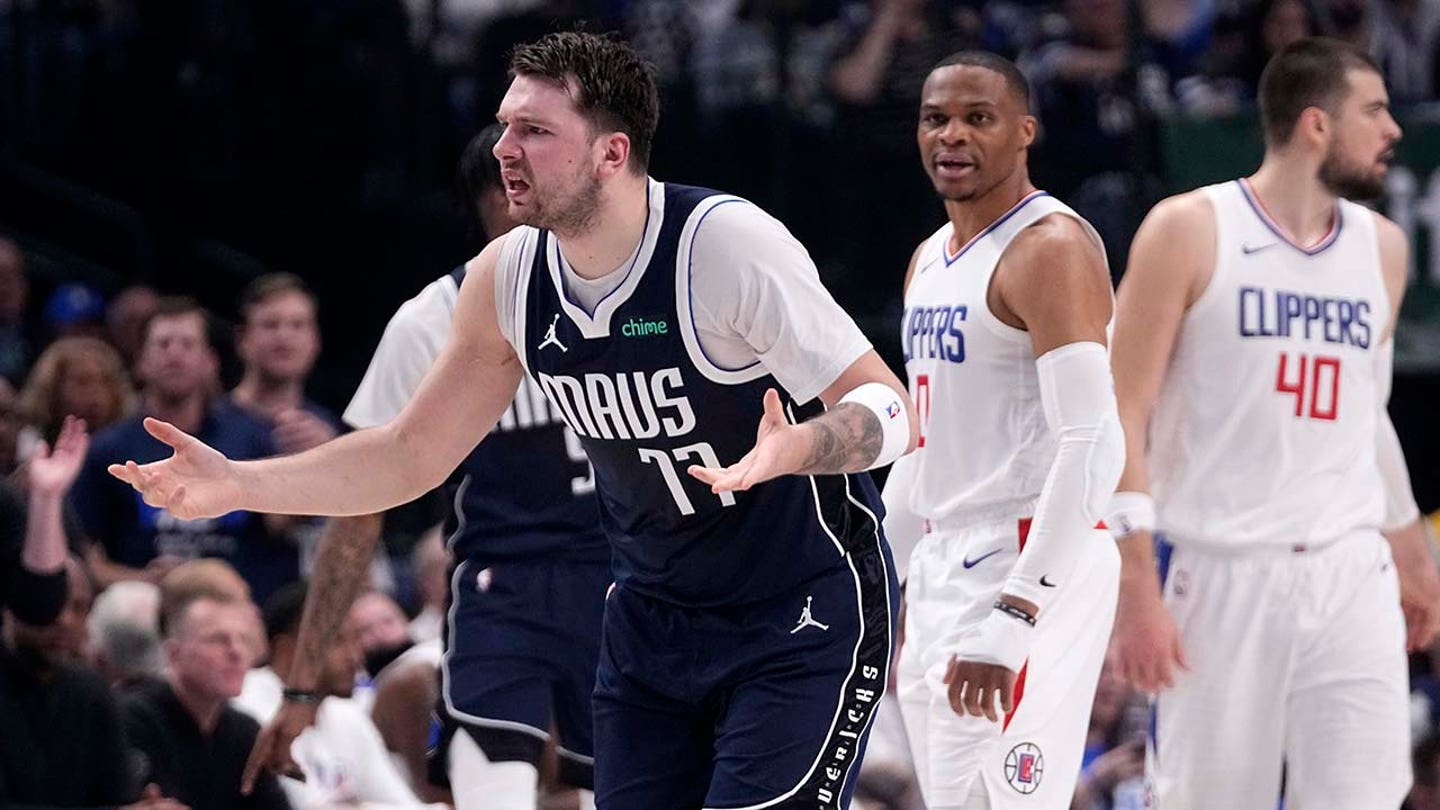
(52, 471)
(272, 744)
(1147, 642)
(780, 449)
(195, 482)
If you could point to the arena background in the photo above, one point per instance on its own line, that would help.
(193, 145)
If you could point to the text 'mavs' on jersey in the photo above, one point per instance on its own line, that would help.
(645, 408)
(527, 491)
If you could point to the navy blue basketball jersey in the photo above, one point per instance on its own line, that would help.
(527, 491)
(644, 412)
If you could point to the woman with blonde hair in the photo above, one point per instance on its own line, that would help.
(75, 376)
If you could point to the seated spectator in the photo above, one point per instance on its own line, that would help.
(341, 756)
(192, 744)
(381, 629)
(62, 745)
(67, 639)
(278, 343)
(15, 344)
(135, 541)
(215, 579)
(75, 376)
(430, 563)
(125, 320)
(124, 631)
(32, 575)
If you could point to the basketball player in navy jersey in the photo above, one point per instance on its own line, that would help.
(532, 565)
(747, 637)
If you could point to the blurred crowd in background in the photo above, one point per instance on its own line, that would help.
(208, 211)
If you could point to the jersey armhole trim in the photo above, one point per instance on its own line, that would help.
(685, 301)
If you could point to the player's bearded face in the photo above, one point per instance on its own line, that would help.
(1360, 153)
(566, 206)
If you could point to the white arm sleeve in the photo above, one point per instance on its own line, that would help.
(758, 296)
(903, 528)
(1400, 507)
(412, 340)
(1078, 393)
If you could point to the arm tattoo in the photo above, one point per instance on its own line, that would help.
(848, 439)
(342, 557)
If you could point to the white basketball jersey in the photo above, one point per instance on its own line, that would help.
(985, 448)
(1264, 432)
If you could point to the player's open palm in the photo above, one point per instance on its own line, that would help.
(51, 471)
(195, 482)
(1146, 640)
(780, 449)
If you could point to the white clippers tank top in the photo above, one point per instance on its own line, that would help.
(985, 449)
(1264, 431)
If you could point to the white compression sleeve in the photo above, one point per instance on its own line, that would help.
(1078, 394)
(903, 527)
(1400, 507)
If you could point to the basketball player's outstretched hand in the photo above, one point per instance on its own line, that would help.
(780, 449)
(195, 482)
(1147, 643)
(974, 687)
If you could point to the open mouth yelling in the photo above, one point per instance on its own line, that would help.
(515, 185)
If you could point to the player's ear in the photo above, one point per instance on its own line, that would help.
(614, 153)
(1028, 126)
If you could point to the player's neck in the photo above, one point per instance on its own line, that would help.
(1289, 191)
(268, 396)
(970, 217)
(617, 228)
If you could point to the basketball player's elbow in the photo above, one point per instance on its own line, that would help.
(418, 455)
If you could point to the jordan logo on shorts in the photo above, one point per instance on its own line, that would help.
(550, 337)
(806, 620)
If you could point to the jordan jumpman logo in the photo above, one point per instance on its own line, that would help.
(806, 620)
(550, 336)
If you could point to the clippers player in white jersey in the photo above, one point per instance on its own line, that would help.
(1011, 588)
(1252, 367)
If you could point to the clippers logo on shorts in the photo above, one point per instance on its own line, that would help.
(1024, 766)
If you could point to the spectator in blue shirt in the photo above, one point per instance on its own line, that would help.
(133, 540)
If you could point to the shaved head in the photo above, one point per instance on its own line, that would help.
(1015, 81)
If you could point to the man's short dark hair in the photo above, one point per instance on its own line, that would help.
(174, 306)
(270, 285)
(283, 611)
(1015, 81)
(613, 86)
(1309, 73)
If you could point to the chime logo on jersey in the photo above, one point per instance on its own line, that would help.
(622, 405)
(1024, 766)
(1281, 313)
(933, 333)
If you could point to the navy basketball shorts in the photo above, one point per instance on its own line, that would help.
(765, 704)
(522, 639)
